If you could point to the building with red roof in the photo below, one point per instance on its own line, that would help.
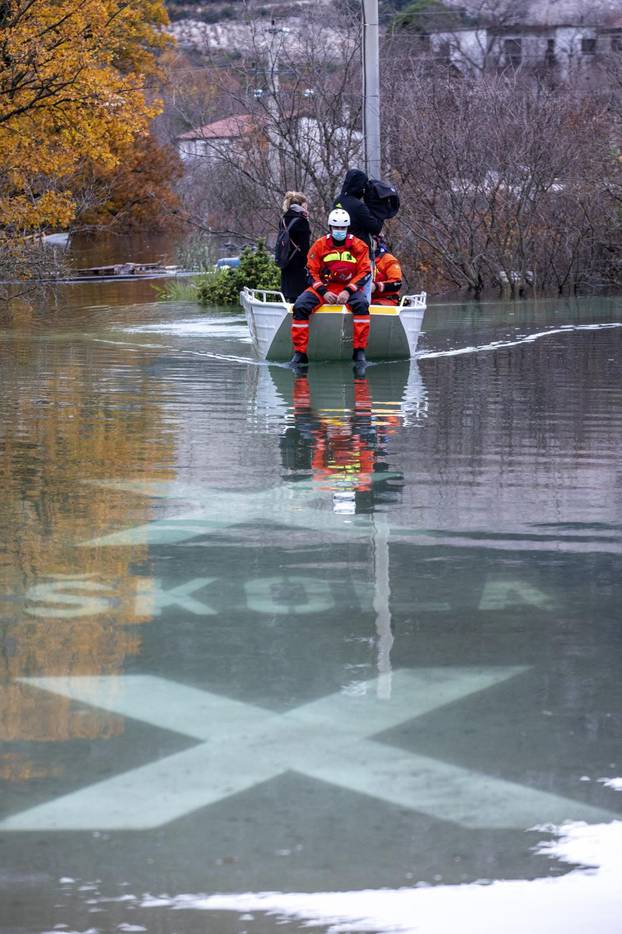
(217, 140)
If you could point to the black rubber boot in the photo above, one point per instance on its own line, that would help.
(299, 360)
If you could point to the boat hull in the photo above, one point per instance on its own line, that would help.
(394, 331)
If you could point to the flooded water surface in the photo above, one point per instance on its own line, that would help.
(281, 649)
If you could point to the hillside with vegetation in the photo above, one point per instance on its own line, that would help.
(222, 11)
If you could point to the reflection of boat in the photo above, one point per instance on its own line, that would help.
(393, 336)
(396, 389)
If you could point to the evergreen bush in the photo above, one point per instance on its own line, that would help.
(257, 270)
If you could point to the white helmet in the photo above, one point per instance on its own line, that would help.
(338, 218)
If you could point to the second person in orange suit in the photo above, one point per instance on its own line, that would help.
(339, 267)
(387, 276)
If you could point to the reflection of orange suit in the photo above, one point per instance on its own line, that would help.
(387, 279)
(342, 448)
(341, 454)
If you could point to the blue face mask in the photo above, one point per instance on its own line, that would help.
(339, 234)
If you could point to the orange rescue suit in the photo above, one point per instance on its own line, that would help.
(388, 279)
(344, 265)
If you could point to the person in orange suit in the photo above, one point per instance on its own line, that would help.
(339, 267)
(387, 276)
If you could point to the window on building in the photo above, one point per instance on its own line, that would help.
(588, 45)
(443, 53)
(513, 52)
(549, 56)
(424, 44)
(616, 42)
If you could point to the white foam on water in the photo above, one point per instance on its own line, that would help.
(197, 327)
(241, 333)
(615, 783)
(233, 358)
(521, 339)
(55, 930)
(587, 899)
(230, 358)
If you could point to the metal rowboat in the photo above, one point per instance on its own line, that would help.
(394, 331)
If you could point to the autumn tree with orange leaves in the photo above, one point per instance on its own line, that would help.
(76, 90)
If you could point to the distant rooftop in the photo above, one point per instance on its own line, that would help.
(227, 128)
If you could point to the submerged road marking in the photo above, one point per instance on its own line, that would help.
(152, 598)
(217, 509)
(331, 739)
(500, 594)
(284, 595)
(302, 506)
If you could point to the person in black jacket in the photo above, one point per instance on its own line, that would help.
(294, 277)
(363, 224)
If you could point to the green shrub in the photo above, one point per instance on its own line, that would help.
(257, 270)
(219, 287)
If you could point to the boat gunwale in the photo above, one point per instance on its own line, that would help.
(419, 303)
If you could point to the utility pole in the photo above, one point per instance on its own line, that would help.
(371, 88)
(275, 51)
(380, 535)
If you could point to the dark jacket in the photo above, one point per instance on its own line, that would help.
(294, 278)
(362, 222)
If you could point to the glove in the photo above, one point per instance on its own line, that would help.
(330, 298)
(373, 286)
(343, 298)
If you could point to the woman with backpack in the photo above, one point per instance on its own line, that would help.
(292, 245)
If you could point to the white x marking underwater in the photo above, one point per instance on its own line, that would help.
(216, 509)
(330, 739)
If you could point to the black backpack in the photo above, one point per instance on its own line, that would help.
(284, 248)
(382, 199)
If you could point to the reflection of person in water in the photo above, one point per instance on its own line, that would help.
(341, 447)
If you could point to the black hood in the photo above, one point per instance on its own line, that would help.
(354, 183)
